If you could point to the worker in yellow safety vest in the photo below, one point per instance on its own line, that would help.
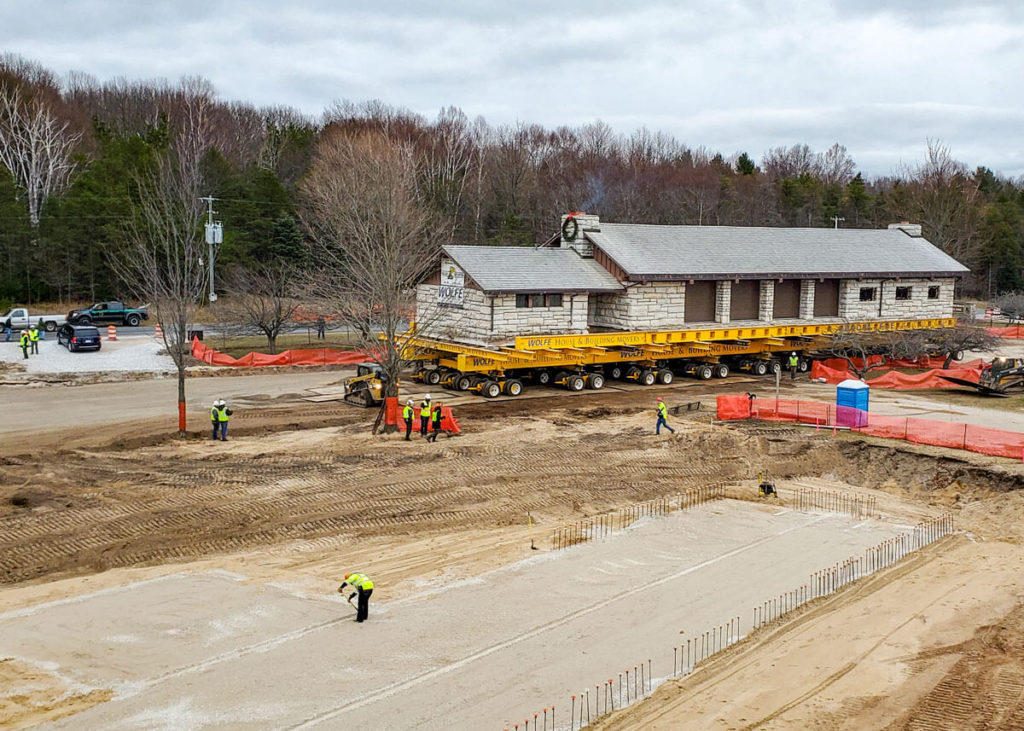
(436, 417)
(425, 415)
(364, 587)
(33, 336)
(25, 342)
(219, 415)
(794, 365)
(662, 422)
(407, 413)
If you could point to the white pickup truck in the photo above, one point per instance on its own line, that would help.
(20, 319)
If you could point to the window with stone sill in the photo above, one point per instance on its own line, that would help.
(903, 293)
(867, 294)
(538, 300)
(933, 293)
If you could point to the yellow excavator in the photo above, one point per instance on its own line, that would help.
(366, 388)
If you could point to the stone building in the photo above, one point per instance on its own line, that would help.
(597, 276)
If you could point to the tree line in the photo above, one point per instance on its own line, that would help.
(75, 155)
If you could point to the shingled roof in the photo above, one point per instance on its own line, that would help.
(525, 269)
(647, 252)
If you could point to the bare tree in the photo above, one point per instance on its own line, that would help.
(854, 347)
(836, 166)
(780, 162)
(260, 300)
(941, 195)
(952, 342)
(1011, 304)
(162, 263)
(35, 145)
(448, 158)
(373, 238)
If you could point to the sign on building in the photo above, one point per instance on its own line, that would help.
(453, 285)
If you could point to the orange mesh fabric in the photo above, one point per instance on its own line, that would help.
(312, 356)
(733, 406)
(1014, 331)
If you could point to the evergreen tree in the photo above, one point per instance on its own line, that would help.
(744, 165)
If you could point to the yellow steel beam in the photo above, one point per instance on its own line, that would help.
(721, 332)
(554, 351)
(446, 346)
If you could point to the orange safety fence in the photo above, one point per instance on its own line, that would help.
(973, 438)
(926, 362)
(1012, 331)
(306, 356)
(392, 416)
(895, 379)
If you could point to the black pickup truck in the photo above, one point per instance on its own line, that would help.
(111, 313)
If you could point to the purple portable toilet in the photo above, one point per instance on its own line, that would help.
(852, 403)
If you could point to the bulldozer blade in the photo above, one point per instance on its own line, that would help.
(983, 390)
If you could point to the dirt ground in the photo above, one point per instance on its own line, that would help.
(303, 493)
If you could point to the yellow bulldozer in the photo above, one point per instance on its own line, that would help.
(366, 388)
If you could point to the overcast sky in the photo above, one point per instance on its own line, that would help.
(878, 76)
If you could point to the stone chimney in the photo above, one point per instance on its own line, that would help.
(910, 229)
(573, 232)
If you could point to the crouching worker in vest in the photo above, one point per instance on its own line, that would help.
(219, 415)
(407, 414)
(364, 588)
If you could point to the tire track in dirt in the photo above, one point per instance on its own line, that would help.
(157, 507)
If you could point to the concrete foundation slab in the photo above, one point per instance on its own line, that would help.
(210, 650)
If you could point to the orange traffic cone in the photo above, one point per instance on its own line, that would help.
(159, 334)
(111, 332)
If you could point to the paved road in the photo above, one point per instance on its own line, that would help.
(55, 407)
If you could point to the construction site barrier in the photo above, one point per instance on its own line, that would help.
(821, 370)
(980, 439)
(1013, 331)
(605, 524)
(632, 685)
(833, 578)
(306, 356)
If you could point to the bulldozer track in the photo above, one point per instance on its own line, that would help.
(154, 508)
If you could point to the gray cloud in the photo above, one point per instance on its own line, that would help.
(880, 76)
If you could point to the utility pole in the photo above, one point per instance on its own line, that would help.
(214, 236)
(836, 220)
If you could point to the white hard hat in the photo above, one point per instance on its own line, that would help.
(427, 397)
(793, 353)
(410, 401)
(218, 402)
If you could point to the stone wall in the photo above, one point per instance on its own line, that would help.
(918, 306)
(652, 306)
(472, 323)
(807, 299)
(510, 321)
(723, 301)
(766, 302)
